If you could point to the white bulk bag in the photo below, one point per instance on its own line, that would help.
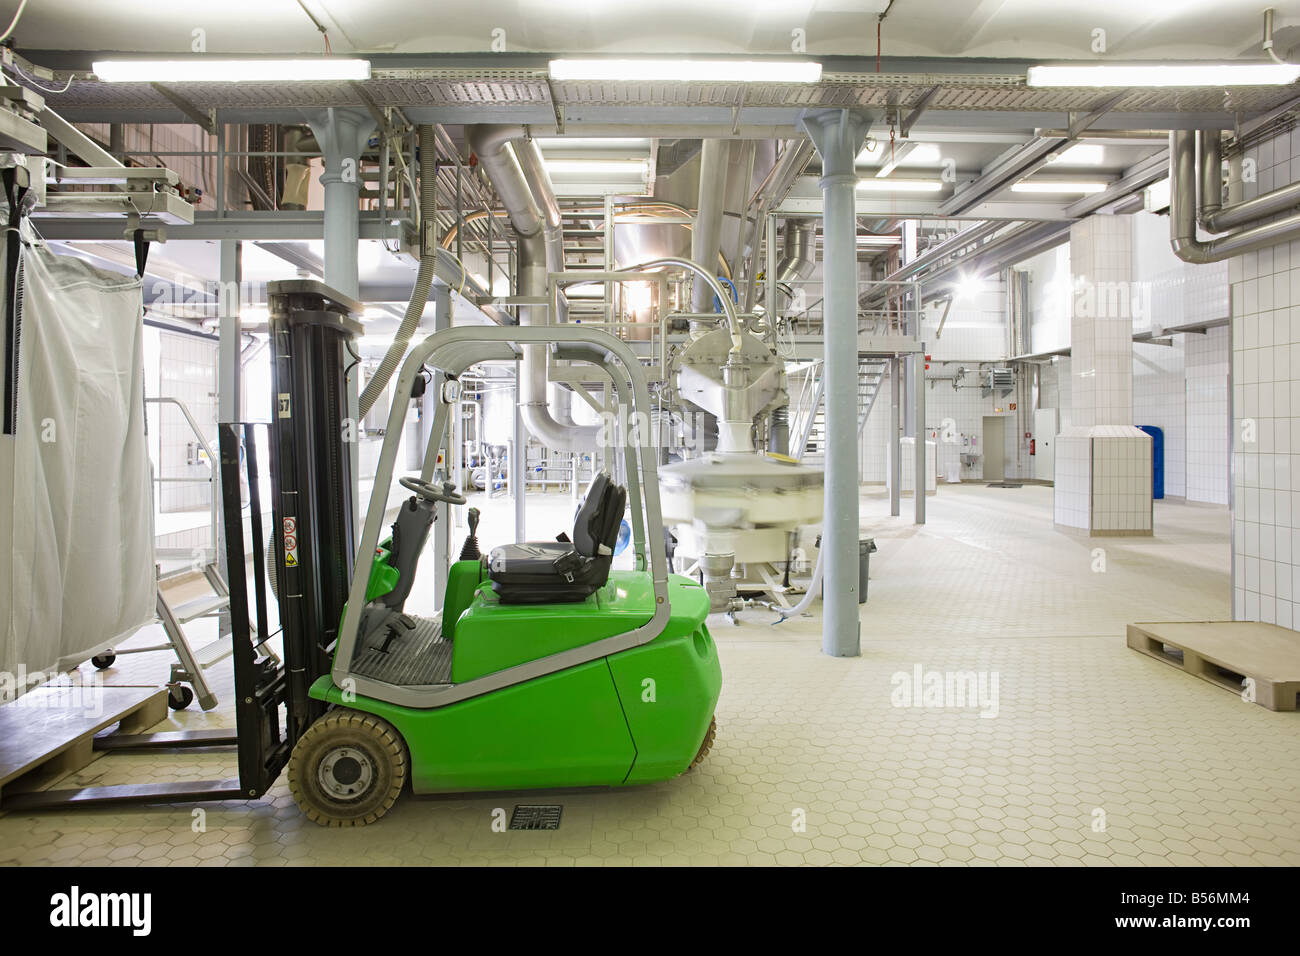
(76, 513)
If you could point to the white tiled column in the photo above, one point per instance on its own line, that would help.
(1103, 462)
(1266, 409)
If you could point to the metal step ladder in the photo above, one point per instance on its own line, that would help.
(190, 663)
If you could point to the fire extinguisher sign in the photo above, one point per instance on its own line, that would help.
(290, 526)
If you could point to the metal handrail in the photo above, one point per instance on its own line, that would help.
(207, 450)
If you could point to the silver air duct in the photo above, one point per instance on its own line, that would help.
(1183, 212)
(541, 249)
(797, 253)
(706, 239)
(1212, 214)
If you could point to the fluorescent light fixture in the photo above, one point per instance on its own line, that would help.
(597, 167)
(591, 142)
(1164, 74)
(1081, 154)
(909, 154)
(900, 185)
(1047, 186)
(687, 70)
(225, 70)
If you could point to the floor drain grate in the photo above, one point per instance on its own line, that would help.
(1005, 484)
(536, 817)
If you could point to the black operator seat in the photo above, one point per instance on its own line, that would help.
(555, 572)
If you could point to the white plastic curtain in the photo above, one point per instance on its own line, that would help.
(76, 512)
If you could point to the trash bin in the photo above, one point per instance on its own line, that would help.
(865, 547)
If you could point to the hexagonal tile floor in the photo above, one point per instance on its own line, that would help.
(994, 717)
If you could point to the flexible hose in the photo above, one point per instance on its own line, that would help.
(423, 279)
(809, 596)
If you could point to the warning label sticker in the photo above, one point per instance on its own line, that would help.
(290, 526)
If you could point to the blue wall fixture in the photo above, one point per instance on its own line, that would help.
(1157, 459)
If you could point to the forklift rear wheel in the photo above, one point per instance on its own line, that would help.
(104, 661)
(706, 746)
(347, 769)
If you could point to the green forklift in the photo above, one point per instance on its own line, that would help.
(545, 668)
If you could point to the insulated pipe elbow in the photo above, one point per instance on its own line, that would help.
(491, 144)
(533, 404)
(1210, 189)
(513, 165)
(797, 260)
(539, 184)
(728, 307)
(1182, 214)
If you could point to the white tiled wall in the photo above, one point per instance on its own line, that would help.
(966, 407)
(1160, 399)
(1072, 495)
(187, 370)
(1266, 410)
(975, 329)
(1054, 389)
(1208, 423)
(1181, 388)
(907, 466)
(1049, 298)
(1101, 343)
(1121, 480)
(1103, 480)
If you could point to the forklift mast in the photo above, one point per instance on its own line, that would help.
(312, 437)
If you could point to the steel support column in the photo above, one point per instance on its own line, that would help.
(918, 412)
(895, 447)
(518, 457)
(230, 379)
(838, 135)
(342, 134)
(442, 556)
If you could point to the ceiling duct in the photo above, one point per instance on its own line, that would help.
(706, 240)
(1183, 212)
(498, 149)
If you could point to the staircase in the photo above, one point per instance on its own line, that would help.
(871, 378)
(808, 412)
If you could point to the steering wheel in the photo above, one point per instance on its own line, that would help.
(446, 492)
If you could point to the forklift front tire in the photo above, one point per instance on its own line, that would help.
(347, 769)
(707, 745)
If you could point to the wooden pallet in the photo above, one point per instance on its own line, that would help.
(1228, 654)
(50, 732)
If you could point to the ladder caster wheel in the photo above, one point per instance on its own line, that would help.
(179, 697)
(104, 661)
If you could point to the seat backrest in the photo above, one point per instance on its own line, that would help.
(599, 517)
